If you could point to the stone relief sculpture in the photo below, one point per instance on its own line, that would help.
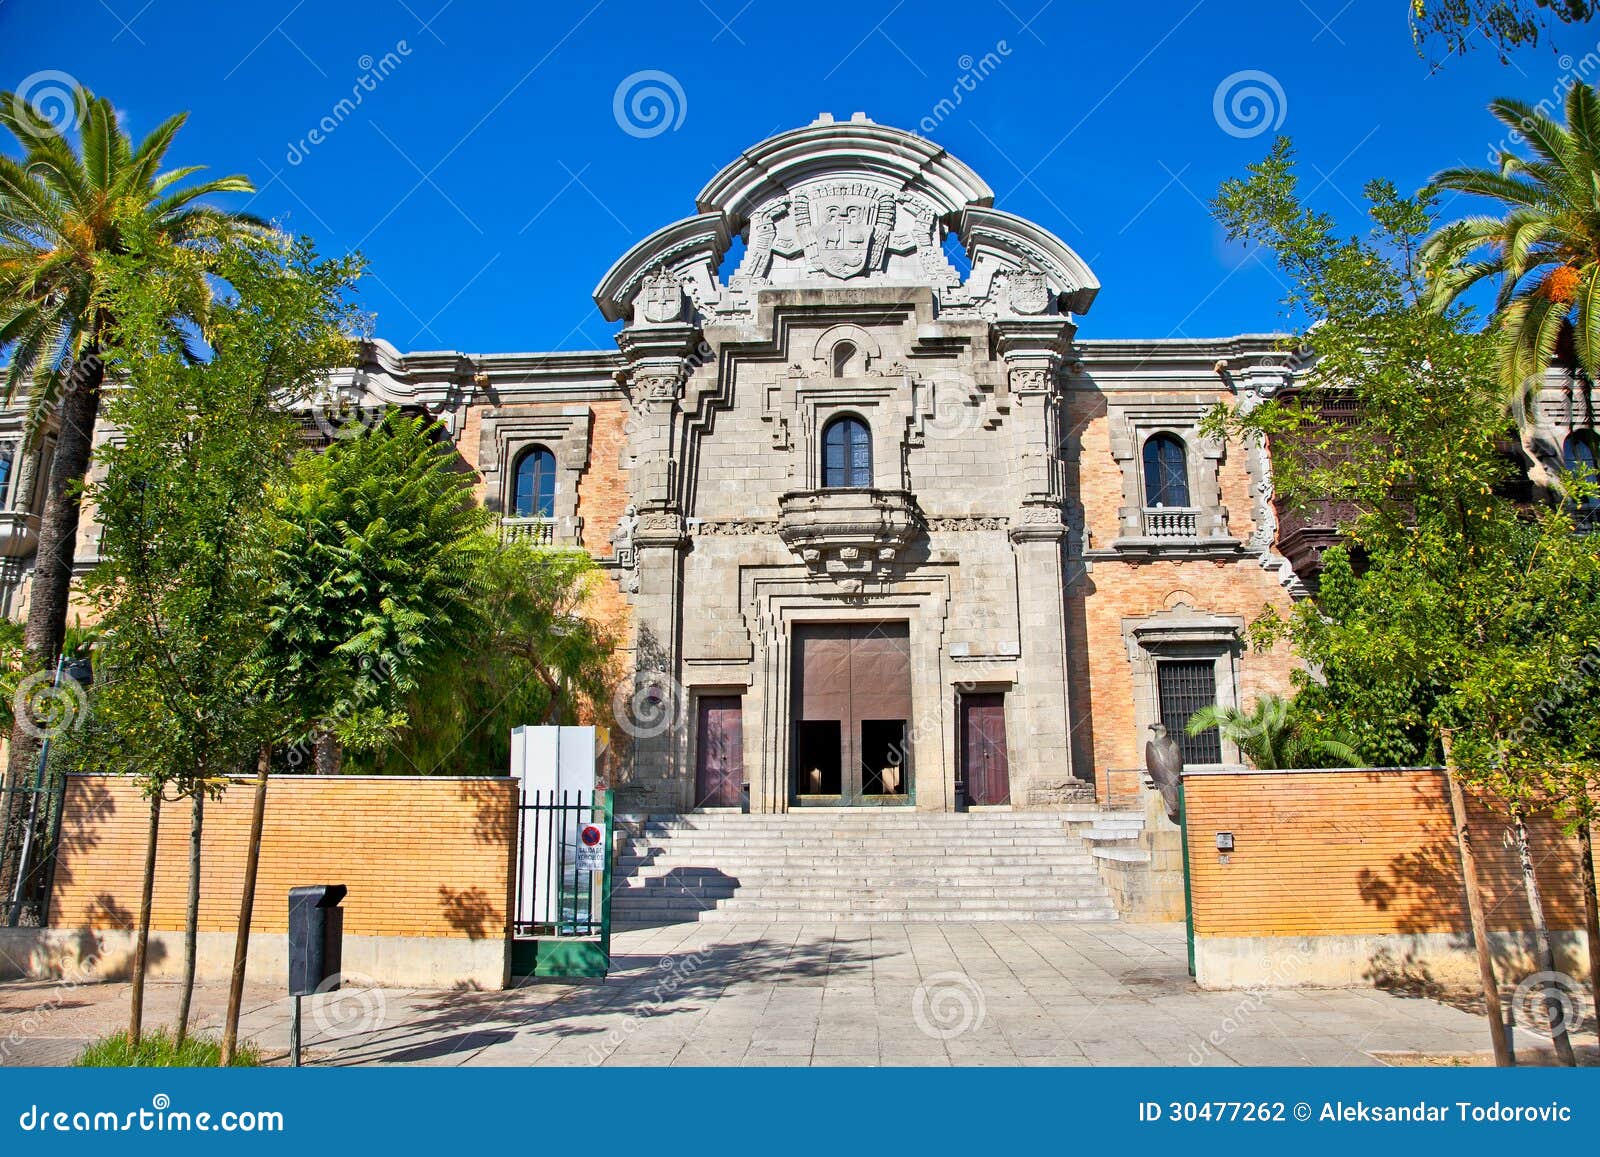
(622, 550)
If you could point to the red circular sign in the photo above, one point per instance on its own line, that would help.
(590, 836)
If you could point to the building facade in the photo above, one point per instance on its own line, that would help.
(878, 526)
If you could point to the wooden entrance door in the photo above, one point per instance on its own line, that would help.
(984, 763)
(851, 713)
(719, 752)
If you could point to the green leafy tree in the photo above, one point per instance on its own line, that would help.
(1467, 611)
(1502, 24)
(1272, 735)
(185, 572)
(1541, 252)
(536, 658)
(69, 211)
(377, 544)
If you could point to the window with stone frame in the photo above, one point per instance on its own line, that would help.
(1166, 472)
(846, 454)
(534, 493)
(1171, 482)
(1184, 686)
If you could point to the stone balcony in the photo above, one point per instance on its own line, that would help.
(850, 535)
(533, 531)
(1171, 522)
(19, 534)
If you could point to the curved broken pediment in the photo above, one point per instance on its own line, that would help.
(837, 205)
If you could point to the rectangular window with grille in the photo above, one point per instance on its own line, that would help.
(1185, 686)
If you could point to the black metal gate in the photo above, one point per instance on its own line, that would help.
(561, 923)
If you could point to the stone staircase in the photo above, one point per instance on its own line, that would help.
(866, 864)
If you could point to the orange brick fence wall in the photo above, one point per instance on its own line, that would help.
(429, 863)
(1347, 876)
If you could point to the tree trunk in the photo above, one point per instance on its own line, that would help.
(1544, 956)
(1591, 912)
(141, 941)
(247, 901)
(191, 915)
(1498, 1037)
(51, 590)
(52, 575)
(326, 754)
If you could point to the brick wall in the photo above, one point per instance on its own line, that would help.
(1119, 590)
(1358, 853)
(602, 499)
(429, 857)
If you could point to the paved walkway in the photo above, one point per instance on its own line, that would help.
(862, 994)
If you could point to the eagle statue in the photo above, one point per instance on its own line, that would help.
(1163, 759)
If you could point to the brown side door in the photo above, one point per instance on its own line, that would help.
(984, 763)
(719, 752)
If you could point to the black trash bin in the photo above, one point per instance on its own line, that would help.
(316, 938)
(316, 934)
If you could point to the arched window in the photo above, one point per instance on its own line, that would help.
(844, 355)
(6, 455)
(1166, 473)
(846, 453)
(535, 495)
(1580, 456)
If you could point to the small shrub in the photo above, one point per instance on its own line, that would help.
(157, 1049)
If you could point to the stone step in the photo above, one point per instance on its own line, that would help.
(866, 865)
(693, 876)
(1004, 895)
(792, 826)
(708, 853)
(800, 902)
(921, 914)
(858, 842)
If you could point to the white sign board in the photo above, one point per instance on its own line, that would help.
(547, 762)
(591, 848)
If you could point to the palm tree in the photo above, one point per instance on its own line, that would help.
(66, 210)
(1271, 737)
(1544, 251)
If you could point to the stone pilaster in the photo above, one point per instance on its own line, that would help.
(1033, 351)
(656, 712)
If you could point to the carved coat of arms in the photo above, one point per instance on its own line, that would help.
(845, 228)
(1028, 292)
(660, 298)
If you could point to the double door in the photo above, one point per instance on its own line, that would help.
(851, 714)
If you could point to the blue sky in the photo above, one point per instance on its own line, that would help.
(490, 182)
